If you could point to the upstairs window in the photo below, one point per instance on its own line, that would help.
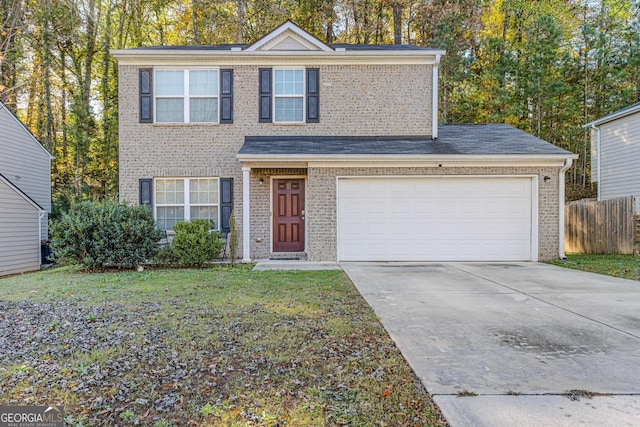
(187, 96)
(288, 95)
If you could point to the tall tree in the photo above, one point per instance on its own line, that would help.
(545, 66)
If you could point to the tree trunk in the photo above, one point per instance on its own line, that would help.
(194, 19)
(329, 35)
(239, 33)
(397, 23)
(46, 44)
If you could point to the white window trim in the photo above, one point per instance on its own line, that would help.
(186, 95)
(303, 95)
(187, 202)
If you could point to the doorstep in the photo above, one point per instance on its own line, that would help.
(288, 256)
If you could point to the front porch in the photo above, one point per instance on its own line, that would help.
(274, 207)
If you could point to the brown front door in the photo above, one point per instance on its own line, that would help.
(288, 215)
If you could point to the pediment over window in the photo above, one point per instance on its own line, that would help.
(290, 37)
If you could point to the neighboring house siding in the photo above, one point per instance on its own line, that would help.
(354, 100)
(321, 204)
(26, 164)
(620, 157)
(19, 243)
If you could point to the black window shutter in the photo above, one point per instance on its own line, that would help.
(265, 95)
(226, 96)
(146, 192)
(146, 95)
(313, 95)
(226, 203)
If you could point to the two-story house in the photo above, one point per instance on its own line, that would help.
(25, 196)
(330, 152)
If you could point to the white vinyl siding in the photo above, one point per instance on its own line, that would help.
(19, 240)
(620, 158)
(183, 199)
(437, 219)
(25, 163)
(187, 96)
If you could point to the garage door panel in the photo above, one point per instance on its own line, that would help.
(434, 219)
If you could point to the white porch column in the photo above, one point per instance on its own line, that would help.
(246, 216)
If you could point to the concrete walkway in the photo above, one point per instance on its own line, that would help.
(295, 265)
(536, 344)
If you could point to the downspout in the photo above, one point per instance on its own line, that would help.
(567, 165)
(42, 214)
(597, 129)
(434, 106)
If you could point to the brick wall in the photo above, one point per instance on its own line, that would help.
(354, 100)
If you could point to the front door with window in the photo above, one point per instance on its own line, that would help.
(288, 215)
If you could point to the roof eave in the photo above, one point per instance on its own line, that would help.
(31, 135)
(614, 116)
(427, 160)
(21, 193)
(140, 55)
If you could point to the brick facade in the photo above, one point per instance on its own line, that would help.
(365, 100)
(357, 98)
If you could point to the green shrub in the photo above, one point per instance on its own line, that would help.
(165, 257)
(194, 245)
(105, 235)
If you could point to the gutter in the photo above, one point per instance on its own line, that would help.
(232, 53)
(234, 58)
(427, 160)
(561, 182)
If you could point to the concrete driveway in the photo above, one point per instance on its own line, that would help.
(531, 340)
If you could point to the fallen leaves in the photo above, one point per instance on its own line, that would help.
(256, 363)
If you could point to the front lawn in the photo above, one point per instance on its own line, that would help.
(220, 346)
(625, 266)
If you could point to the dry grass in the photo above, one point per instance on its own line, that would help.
(222, 346)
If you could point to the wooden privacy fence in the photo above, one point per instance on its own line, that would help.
(605, 227)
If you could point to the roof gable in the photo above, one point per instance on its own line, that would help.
(21, 193)
(631, 109)
(5, 114)
(288, 36)
(287, 41)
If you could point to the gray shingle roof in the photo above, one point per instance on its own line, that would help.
(348, 47)
(192, 47)
(453, 139)
(380, 47)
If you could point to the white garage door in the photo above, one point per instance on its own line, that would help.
(436, 219)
